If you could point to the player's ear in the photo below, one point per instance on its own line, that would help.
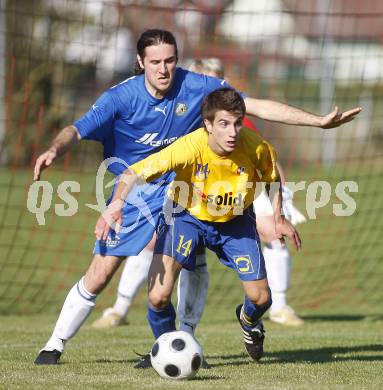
(140, 62)
(239, 123)
(208, 125)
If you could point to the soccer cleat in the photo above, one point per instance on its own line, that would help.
(285, 316)
(144, 361)
(48, 357)
(252, 338)
(109, 319)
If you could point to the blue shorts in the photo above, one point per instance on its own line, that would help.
(236, 242)
(139, 220)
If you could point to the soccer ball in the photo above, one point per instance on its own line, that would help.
(176, 355)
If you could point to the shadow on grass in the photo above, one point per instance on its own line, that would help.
(318, 355)
(114, 361)
(235, 360)
(204, 378)
(344, 317)
(130, 361)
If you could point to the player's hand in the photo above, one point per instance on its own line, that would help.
(337, 118)
(284, 228)
(111, 218)
(290, 212)
(43, 162)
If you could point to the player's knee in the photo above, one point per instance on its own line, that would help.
(159, 299)
(260, 297)
(97, 281)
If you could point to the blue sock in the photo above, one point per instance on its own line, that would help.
(163, 320)
(252, 313)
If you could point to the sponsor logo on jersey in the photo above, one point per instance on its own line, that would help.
(244, 264)
(149, 139)
(202, 171)
(226, 199)
(162, 110)
(181, 109)
(111, 242)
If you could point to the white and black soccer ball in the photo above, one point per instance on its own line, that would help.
(176, 355)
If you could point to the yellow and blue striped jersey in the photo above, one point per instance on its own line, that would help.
(211, 187)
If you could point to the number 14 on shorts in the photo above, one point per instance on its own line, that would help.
(183, 246)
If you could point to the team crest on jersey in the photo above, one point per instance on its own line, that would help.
(180, 109)
(240, 170)
(202, 171)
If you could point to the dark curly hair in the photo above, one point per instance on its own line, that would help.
(153, 37)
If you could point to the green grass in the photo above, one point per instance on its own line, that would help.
(342, 352)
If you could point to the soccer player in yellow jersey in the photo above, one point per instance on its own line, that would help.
(217, 168)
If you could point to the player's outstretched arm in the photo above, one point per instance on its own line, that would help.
(283, 113)
(64, 141)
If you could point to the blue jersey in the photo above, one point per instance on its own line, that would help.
(132, 124)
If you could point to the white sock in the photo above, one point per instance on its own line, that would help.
(192, 293)
(77, 306)
(188, 328)
(133, 276)
(277, 261)
(279, 300)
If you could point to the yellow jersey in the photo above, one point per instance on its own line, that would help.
(211, 187)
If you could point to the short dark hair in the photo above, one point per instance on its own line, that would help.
(153, 37)
(223, 99)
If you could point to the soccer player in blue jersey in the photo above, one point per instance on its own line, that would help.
(132, 120)
(213, 208)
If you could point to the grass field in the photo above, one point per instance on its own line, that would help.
(329, 352)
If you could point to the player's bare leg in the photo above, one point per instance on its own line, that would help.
(78, 304)
(133, 277)
(163, 274)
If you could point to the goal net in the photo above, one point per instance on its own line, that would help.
(57, 56)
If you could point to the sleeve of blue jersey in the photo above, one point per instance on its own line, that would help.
(98, 121)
